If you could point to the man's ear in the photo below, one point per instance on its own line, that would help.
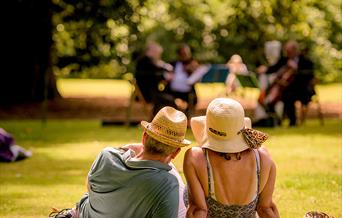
(175, 153)
(143, 138)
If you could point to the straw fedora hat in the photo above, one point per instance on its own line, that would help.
(225, 128)
(169, 127)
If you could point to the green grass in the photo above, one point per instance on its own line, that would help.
(119, 88)
(309, 158)
(309, 165)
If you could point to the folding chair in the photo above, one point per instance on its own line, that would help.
(304, 110)
(314, 100)
(136, 94)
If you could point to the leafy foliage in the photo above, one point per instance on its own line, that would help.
(102, 38)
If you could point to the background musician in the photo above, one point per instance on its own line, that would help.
(289, 80)
(186, 72)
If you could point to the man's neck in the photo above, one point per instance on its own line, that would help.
(147, 156)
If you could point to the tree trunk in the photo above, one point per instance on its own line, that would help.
(26, 71)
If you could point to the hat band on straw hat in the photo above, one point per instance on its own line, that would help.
(168, 126)
(166, 130)
(170, 141)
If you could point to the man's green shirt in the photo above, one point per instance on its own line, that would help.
(122, 187)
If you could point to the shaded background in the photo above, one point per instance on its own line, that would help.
(101, 39)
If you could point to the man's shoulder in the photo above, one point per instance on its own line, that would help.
(117, 152)
(110, 150)
(110, 156)
(165, 177)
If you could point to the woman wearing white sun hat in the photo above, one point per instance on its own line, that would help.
(229, 175)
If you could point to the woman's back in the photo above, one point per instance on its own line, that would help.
(235, 181)
(221, 181)
(229, 175)
(232, 187)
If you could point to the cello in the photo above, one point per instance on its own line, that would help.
(284, 77)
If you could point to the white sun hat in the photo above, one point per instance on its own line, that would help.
(225, 128)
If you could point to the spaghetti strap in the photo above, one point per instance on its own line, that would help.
(211, 187)
(257, 159)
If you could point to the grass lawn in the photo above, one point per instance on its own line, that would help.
(309, 161)
(309, 158)
(331, 93)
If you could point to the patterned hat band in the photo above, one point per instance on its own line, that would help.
(169, 127)
(168, 131)
(252, 137)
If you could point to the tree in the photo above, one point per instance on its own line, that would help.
(100, 38)
(26, 71)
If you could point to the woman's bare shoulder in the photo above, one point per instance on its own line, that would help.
(194, 154)
(265, 156)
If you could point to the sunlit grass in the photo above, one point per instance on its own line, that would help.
(309, 165)
(93, 88)
(121, 88)
(309, 158)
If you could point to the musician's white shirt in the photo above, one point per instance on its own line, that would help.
(182, 82)
(179, 82)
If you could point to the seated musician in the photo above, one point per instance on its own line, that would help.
(187, 71)
(289, 80)
(150, 72)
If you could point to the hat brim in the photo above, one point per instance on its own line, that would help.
(168, 141)
(235, 145)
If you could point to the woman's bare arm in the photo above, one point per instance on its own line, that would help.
(197, 204)
(266, 207)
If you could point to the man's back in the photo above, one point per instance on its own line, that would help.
(122, 187)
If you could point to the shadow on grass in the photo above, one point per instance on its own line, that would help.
(42, 170)
(68, 131)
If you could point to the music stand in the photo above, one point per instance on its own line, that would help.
(217, 73)
(249, 81)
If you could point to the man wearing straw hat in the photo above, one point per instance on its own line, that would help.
(135, 182)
